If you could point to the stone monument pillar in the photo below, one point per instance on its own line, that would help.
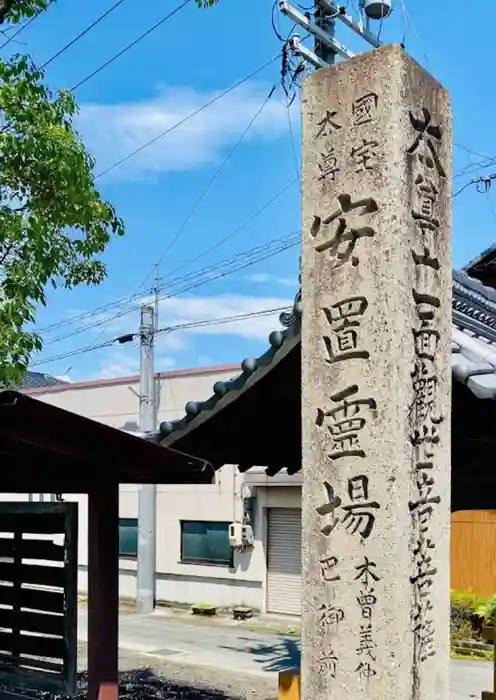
(376, 394)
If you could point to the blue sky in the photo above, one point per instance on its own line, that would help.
(176, 69)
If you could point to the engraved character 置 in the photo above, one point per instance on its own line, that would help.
(366, 573)
(359, 515)
(338, 233)
(327, 567)
(328, 124)
(365, 155)
(345, 422)
(427, 142)
(366, 642)
(329, 165)
(364, 109)
(330, 615)
(342, 341)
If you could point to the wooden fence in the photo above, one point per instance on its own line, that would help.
(473, 551)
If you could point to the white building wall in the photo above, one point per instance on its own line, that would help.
(115, 403)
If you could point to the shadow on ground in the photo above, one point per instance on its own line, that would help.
(139, 684)
(281, 656)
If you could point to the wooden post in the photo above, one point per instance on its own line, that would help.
(489, 636)
(103, 592)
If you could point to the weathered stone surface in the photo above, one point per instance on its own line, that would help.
(376, 344)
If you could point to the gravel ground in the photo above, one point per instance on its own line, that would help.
(146, 677)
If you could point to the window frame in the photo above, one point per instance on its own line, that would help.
(123, 555)
(229, 563)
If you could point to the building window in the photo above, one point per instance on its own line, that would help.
(128, 538)
(205, 543)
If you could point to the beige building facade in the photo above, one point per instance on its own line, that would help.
(195, 563)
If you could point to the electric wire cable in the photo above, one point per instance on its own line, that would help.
(216, 174)
(168, 329)
(131, 45)
(82, 33)
(186, 118)
(240, 262)
(170, 280)
(26, 24)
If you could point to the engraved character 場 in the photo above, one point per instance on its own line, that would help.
(359, 514)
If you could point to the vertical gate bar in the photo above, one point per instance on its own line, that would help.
(16, 603)
(103, 592)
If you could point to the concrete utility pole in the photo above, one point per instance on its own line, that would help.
(147, 498)
(325, 18)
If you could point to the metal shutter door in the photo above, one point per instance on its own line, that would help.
(284, 561)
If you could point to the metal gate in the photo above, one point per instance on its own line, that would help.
(284, 561)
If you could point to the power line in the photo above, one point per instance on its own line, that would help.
(186, 118)
(25, 25)
(478, 181)
(83, 33)
(170, 281)
(240, 262)
(168, 329)
(131, 45)
(212, 180)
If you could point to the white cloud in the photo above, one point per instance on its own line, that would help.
(179, 310)
(263, 277)
(259, 277)
(113, 131)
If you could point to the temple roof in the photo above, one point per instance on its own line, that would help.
(473, 357)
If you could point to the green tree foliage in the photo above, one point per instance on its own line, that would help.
(53, 222)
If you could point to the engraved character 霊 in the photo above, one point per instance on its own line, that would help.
(365, 155)
(345, 421)
(343, 319)
(338, 233)
(427, 142)
(364, 109)
(328, 124)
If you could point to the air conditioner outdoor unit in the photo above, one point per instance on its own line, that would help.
(235, 535)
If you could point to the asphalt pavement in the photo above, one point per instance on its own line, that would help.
(237, 649)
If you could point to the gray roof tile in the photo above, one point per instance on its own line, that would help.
(473, 357)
